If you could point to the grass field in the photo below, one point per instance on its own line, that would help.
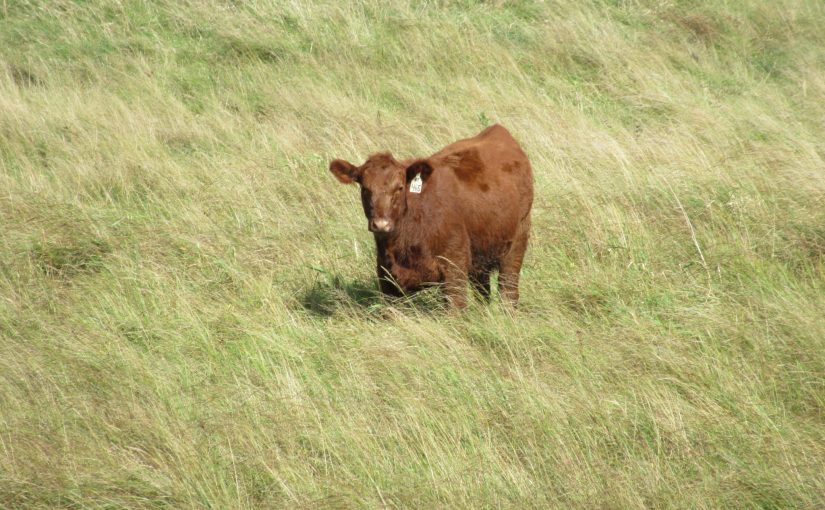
(187, 311)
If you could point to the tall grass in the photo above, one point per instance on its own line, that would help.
(187, 316)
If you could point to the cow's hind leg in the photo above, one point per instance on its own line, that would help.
(510, 265)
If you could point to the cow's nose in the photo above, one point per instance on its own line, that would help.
(380, 225)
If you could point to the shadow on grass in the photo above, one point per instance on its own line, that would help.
(324, 298)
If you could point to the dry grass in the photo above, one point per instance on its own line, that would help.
(187, 317)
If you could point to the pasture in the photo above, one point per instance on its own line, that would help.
(188, 315)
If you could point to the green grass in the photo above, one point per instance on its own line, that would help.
(187, 312)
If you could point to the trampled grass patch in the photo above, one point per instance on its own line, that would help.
(188, 308)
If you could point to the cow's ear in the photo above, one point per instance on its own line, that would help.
(345, 171)
(419, 167)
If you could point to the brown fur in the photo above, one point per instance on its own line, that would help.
(471, 217)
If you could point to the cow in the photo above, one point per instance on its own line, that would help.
(455, 216)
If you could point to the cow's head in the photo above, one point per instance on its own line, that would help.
(384, 186)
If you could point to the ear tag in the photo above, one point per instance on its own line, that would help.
(416, 183)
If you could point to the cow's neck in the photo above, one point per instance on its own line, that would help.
(395, 241)
(388, 242)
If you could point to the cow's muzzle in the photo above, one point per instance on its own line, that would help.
(381, 225)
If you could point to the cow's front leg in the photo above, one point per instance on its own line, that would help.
(455, 289)
(388, 284)
(455, 270)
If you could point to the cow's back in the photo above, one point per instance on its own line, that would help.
(491, 181)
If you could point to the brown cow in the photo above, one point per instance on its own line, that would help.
(461, 213)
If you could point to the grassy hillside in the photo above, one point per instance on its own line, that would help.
(187, 316)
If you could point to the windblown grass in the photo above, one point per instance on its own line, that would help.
(187, 317)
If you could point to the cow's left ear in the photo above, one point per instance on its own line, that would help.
(419, 167)
(345, 171)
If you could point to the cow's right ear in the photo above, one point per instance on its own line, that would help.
(345, 171)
